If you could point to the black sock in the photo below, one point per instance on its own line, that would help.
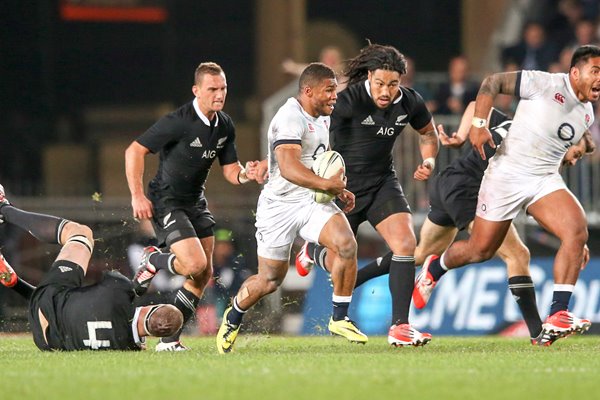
(186, 302)
(162, 261)
(318, 254)
(375, 268)
(236, 314)
(43, 227)
(560, 301)
(523, 292)
(436, 270)
(402, 283)
(24, 288)
(340, 310)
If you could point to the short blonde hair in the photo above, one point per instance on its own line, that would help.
(211, 68)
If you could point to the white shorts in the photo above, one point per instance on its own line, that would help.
(501, 197)
(278, 223)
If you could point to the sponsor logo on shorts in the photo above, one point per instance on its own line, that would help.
(166, 222)
(63, 268)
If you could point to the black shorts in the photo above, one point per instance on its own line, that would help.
(453, 199)
(378, 203)
(50, 297)
(174, 224)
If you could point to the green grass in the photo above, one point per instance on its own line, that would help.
(274, 367)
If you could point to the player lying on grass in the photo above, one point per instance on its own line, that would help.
(64, 314)
(453, 198)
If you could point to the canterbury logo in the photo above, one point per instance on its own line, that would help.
(400, 119)
(62, 268)
(196, 143)
(166, 222)
(368, 121)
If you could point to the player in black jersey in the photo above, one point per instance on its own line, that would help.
(368, 117)
(63, 314)
(188, 140)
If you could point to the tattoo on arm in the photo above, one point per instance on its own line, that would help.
(504, 82)
(428, 137)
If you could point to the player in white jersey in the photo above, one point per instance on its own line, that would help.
(297, 134)
(554, 113)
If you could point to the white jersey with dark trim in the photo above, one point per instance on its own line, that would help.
(549, 119)
(293, 125)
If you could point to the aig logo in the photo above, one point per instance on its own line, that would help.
(385, 131)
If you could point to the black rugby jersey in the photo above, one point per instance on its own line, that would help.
(364, 134)
(187, 149)
(470, 162)
(99, 316)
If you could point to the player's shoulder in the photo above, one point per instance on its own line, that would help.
(225, 119)
(356, 90)
(543, 78)
(184, 112)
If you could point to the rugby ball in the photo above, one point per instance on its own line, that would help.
(326, 165)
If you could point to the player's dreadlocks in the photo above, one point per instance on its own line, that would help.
(372, 57)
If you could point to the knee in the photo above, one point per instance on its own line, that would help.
(345, 246)
(581, 237)
(271, 282)
(480, 254)
(405, 245)
(76, 229)
(197, 268)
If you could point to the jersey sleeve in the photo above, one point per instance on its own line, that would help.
(420, 115)
(167, 129)
(288, 129)
(228, 155)
(531, 84)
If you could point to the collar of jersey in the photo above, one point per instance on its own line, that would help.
(307, 115)
(136, 335)
(368, 87)
(570, 88)
(202, 116)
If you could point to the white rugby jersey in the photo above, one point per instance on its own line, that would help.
(292, 124)
(549, 119)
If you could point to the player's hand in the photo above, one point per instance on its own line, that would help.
(348, 199)
(586, 256)
(423, 171)
(337, 183)
(262, 172)
(142, 207)
(479, 137)
(449, 141)
(251, 168)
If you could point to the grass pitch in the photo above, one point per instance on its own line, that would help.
(274, 367)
